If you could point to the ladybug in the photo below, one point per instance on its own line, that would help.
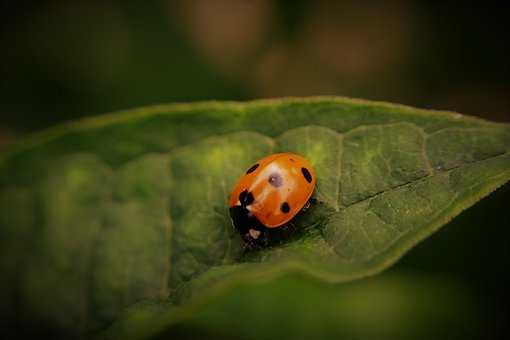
(269, 195)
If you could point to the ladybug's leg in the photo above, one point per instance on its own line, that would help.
(246, 248)
(249, 246)
(291, 227)
(309, 203)
(288, 230)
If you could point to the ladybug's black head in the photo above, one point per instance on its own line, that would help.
(252, 231)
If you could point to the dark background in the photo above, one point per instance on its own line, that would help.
(62, 60)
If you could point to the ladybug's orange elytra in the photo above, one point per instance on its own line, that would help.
(271, 193)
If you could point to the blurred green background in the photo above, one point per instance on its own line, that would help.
(62, 60)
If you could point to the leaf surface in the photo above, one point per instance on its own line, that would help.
(133, 206)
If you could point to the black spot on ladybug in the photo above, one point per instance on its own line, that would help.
(249, 198)
(275, 179)
(246, 198)
(242, 195)
(253, 168)
(307, 175)
(285, 208)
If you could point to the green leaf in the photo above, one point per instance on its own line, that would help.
(103, 213)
